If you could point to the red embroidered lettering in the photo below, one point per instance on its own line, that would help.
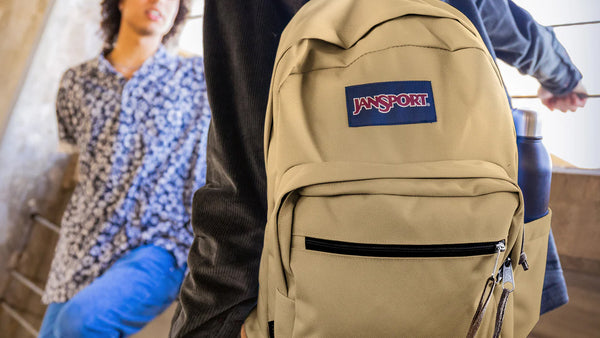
(385, 103)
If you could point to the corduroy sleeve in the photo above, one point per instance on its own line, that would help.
(229, 212)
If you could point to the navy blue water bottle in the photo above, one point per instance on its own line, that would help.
(535, 165)
(535, 176)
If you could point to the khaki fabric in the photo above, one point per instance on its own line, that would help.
(450, 182)
(529, 284)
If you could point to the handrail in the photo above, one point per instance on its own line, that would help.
(200, 16)
(27, 282)
(587, 96)
(45, 222)
(575, 24)
(12, 312)
(16, 316)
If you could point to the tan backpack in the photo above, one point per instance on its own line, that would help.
(391, 159)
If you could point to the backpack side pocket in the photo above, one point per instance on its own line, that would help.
(529, 284)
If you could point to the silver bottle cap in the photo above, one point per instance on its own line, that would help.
(528, 123)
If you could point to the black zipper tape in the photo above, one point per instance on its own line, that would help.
(271, 329)
(403, 250)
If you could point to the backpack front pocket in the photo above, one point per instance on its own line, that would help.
(380, 265)
(392, 257)
(366, 290)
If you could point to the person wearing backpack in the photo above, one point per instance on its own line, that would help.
(230, 212)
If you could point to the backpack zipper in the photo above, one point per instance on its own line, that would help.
(404, 250)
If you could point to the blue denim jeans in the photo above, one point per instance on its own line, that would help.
(133, 291)
(554, 293)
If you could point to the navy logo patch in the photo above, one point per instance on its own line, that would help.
(388, 103)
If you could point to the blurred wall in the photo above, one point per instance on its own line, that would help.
(41, 39)
(575, 202)
(21, 23)
(29, 144)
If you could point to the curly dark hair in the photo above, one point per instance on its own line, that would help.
(111, 21)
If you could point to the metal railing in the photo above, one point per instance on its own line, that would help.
(42, 221)
(28, 283)
(20, 319)
(584, 96)
(583, 23)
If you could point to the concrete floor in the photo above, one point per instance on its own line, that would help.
(159, 327)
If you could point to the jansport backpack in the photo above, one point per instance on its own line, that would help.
(391, 158)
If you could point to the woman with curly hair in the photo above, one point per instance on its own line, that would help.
(137, 115)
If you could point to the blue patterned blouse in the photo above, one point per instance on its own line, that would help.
(142, 154)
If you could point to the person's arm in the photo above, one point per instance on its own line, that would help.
(229, 212)
(67, 119)
(533, 49)
(66, 113)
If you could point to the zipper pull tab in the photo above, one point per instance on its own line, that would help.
(484, 300)
(500, 248)
(506, 277)
(523, 261)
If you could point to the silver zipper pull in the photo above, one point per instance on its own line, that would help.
(490, 284)
(507, 275)
(500, 248)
